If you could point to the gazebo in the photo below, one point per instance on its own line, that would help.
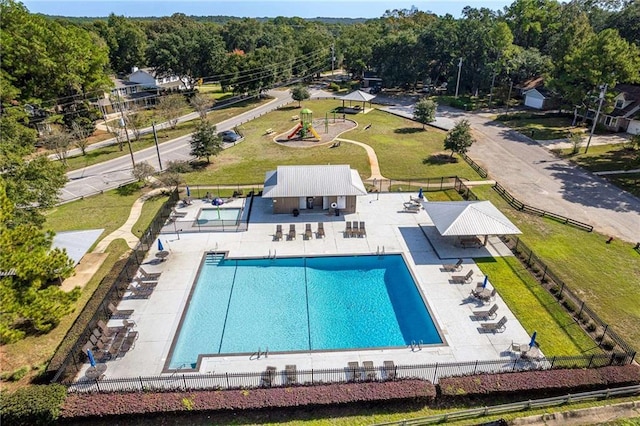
(466, 220)
(357, 96)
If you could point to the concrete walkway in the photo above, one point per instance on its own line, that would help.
(373, 158)
(124, 231)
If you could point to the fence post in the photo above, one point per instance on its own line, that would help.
(529, 260)
(544, 273)
(553, 361)
(141, 384)
(434, 373)
(227, 375)
(184, 381)
(98, 385)
(590, 361)
(475, 367)
(581, 308)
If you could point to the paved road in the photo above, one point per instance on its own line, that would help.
(113, 173)
(532, 174)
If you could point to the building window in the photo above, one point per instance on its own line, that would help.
(620, 103)
(610, 121)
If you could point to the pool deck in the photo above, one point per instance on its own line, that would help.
(389, 228)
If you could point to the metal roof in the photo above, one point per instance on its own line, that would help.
(312, 181)
(358, 95)
(469, 218)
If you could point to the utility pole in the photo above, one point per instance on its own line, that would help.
(155, 139)
(509, 95)
(333, 58)
(603, 92)
(126, 132)
(458, 82)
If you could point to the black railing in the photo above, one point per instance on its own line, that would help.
(475, 166)
(68, 359)
(518, 205)
(431, 372)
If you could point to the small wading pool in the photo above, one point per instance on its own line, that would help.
(213, 216)
(301, 304)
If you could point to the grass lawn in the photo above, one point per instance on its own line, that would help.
(544, 128)
(109, 211)
(404, 149)
(605, 276)
(601, 158)
(247, 162)
(146, 141)
(536, 309)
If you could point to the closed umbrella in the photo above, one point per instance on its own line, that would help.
(486, 279)
(533, 339)
(160, 248)
(92, 361)
(420, 195)
(188, 192)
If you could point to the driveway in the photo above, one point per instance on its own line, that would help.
(532, 174)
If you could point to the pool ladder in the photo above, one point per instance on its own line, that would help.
(379, 252)
(257, 355)
(271, 256)
(416, 346)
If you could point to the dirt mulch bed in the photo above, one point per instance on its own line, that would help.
(334, 129)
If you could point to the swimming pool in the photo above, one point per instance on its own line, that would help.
(301, 304)
(226, 215)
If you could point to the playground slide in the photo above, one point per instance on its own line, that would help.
(295, 131)
(313, 131)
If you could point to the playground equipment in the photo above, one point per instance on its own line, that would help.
(305, 126)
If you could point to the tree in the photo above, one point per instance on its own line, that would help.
(142, 171)
(300, 93)
(425, 111)
(170, 108)
(459, 138)
(576, 139)
(82, 130)
(59, 142)
(201, 105)
(205, 141)
(31, 300)
(135, 122)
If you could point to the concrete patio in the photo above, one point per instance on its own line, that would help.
(389, 229)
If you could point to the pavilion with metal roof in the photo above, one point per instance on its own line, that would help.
(357, 96)
(314, 187)
(465, 219)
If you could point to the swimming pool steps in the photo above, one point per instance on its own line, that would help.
(214, 259)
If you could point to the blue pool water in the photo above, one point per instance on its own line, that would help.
(301, 304)
(227, 214)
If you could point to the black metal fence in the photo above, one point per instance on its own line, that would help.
(431, 372)
(603, 334)
(518, 205)
(69, 358)
(475, 166)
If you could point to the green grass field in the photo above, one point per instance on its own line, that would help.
(605, 276)
(543, 128)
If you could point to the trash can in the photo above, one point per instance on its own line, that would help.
(296, 212)
(337, 212)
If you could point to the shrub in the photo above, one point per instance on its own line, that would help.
(526, 381)
(591, 327)
(569, 305)
(32, 405)
(179, 166)
(89, 405)
(334, 87)
(624, 375)
(608, 344)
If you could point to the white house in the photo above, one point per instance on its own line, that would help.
(147, 79)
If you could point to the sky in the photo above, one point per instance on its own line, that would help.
(251, 9)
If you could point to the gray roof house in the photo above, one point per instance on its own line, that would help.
(313, 188)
